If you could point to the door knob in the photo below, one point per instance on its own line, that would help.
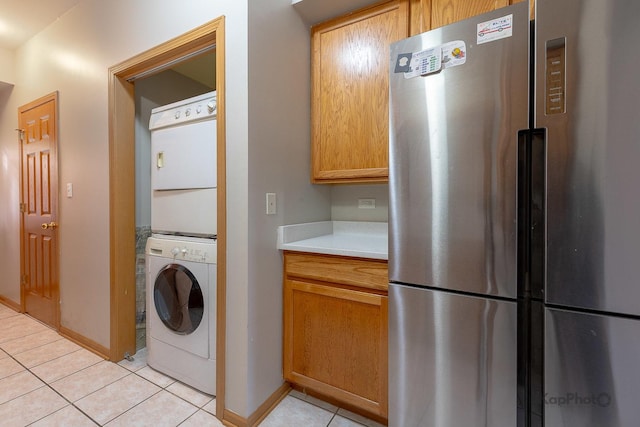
(51, 225)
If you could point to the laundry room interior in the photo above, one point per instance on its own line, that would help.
(188, 78)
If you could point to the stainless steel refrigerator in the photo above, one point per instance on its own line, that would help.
(514, 219)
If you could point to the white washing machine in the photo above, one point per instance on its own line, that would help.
(181, 309)
(183, 169)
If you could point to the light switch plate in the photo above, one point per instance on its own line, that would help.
(271, 203)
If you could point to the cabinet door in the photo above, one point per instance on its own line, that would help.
(335, 343)
(350, 93)
(429, 14)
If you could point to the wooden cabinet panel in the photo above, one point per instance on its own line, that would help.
(430, 14)
(335, 336)
(420, 16)
(445, 12)
(350, 99)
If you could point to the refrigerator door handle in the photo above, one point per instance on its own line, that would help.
(531, 252)
(531, 212)
(537, 212)
(524, 173)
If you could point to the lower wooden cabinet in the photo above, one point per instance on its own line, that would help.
(335, 329)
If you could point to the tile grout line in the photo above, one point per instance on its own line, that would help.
(197, 407)
(46, 383)
(51, 360)
(54, 390)
(129, 371)
(80, 370)
(335, 413)
(165, 389)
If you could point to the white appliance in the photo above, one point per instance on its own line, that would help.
(183, 170)
(181, 309)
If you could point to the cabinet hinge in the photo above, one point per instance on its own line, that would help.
(25, 279)
(23, 207)
(21, 134)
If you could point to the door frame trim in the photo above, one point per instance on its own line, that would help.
(122, 187)
(53, 96)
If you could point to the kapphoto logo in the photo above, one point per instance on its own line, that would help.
(601, 399)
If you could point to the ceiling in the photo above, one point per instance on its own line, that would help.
(316, 11)
(22, 19)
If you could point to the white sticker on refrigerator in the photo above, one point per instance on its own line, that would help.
(425, 62)
(495, 29)
(430, 61)
(454, 53)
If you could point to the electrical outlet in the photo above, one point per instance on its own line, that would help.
(271, 203)
(366, 203)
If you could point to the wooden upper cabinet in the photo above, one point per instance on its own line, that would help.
(350, 93)
(429, 14)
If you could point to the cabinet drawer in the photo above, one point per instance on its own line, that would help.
(371, 274)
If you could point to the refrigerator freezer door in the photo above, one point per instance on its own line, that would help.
(453, 146)
(452, 359)
(587, 97)
(591, 370)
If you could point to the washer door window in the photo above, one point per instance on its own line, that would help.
(178, 299)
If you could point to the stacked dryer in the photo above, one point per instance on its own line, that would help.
(181, 252)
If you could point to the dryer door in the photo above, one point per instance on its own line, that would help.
(184, 156)
(178, 299)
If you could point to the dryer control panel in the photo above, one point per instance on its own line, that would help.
(201, 107)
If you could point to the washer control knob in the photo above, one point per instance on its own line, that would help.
(211, 106)
(175, 251)
(184, 251)
(188, 112)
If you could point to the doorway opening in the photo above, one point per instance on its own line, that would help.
(190, 77)
(196, 44)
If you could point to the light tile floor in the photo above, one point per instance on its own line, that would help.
(49, 381)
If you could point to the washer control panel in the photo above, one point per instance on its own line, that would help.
(194, 250)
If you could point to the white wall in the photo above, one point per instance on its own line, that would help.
(279, 162)
(344, 202)
(7, 74)
(9, 182)
(9, 199)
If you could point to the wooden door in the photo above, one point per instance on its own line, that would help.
(39, 232)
